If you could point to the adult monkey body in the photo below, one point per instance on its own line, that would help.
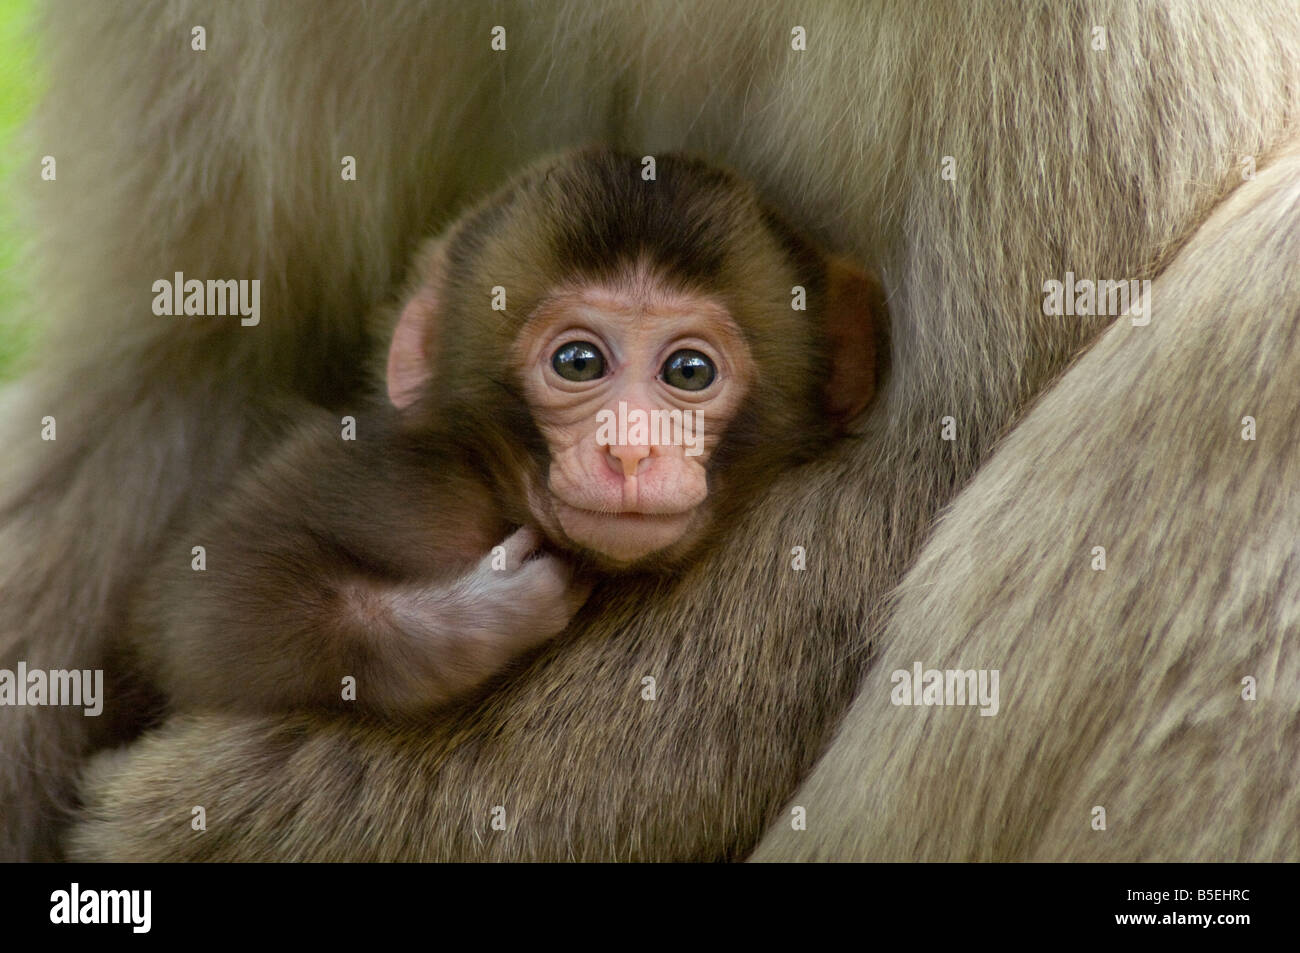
(1067, 158)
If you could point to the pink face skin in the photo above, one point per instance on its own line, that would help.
(627, 502)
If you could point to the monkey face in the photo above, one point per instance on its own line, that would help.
(631, 386)
(614, 395)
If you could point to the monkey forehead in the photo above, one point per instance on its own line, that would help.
(635, 305)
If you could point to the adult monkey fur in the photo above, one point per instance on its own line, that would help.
(482, 489)
(1099, 162)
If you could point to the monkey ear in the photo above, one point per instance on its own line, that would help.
(411, 354)
(855, 316)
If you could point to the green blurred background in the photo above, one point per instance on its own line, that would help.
(18, 88)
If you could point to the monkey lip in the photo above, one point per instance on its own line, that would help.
(622, 514)
(622, 535)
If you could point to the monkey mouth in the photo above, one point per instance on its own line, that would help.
(623, 536)
(645, 511)
(632, 513)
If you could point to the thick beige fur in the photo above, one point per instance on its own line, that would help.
(1120, 688)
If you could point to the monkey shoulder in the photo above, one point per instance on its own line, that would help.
(389, 502)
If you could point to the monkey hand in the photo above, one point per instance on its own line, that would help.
(517, 597)
(514, 600)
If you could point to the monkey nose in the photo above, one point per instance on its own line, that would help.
(631, 456)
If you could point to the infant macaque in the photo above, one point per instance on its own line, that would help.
(589, 373)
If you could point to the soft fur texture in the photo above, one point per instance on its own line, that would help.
(225, 164)
(1120, 688)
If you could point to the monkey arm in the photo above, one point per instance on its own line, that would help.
(250, 607)
(323, 580)
(276, 619)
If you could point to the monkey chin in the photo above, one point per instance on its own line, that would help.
(627, 541)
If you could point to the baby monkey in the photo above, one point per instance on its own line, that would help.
(589, 372)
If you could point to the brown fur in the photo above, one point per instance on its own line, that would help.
(1101, 162)
(365, 557)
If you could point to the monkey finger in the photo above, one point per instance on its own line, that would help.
(519, 545)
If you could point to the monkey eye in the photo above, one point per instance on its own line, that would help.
(689, 370)
(579, 361)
